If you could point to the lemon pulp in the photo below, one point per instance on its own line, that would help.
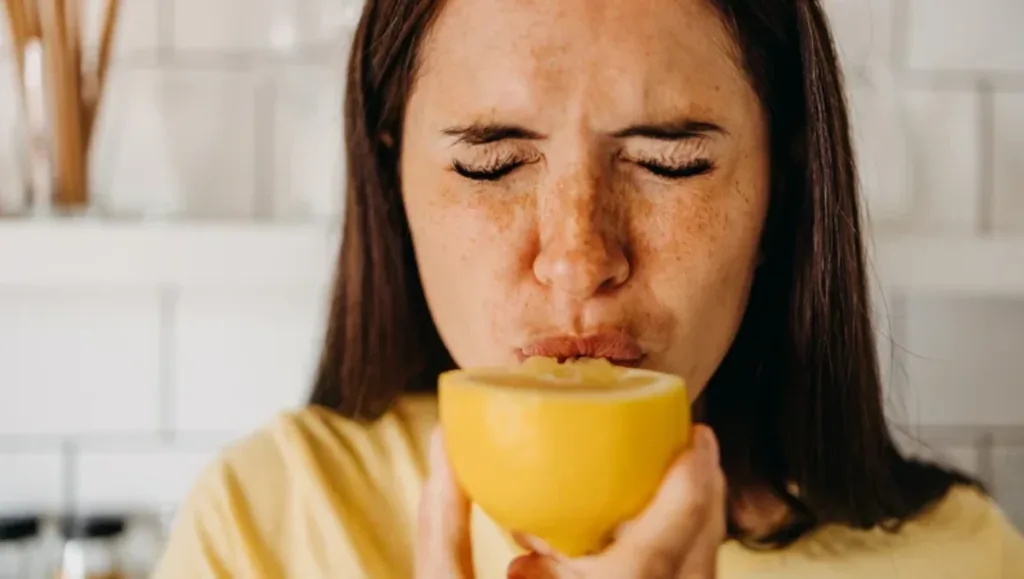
(563, 451)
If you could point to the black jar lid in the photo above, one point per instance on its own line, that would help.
(93, 527)
(17, 528)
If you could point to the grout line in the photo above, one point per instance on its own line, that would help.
(169, 302)
(69, 467)
(1007, 79)
(127, 442)
(263, 153)
(226, 60)
(899, 52)
(984, 446)
(986, 161)
(166, 11)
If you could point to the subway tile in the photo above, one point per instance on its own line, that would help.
(177, 142)
(241, 359)
(963, 361)
(307, 143)
(919, 154)
(31, 480)
(78, 362)
(235, 25)
(138, 477)
(981, 35)
(136, 28)
(944, 137)
(882, 144)
(863, 30)
(11, 131)
(1008, 483)
(329, 23)
(1008, 164)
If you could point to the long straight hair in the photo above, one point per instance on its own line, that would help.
(797, 402)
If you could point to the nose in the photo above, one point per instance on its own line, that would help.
(582, 239)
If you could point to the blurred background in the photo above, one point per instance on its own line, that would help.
(173, 299)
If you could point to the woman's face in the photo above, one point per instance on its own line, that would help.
(585, 178)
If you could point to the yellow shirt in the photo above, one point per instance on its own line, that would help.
(315, 495)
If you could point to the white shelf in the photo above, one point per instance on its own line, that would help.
(244, 254)
(161, 254)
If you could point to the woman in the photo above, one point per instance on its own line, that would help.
(667, 183)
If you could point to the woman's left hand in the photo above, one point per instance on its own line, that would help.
(676, 537)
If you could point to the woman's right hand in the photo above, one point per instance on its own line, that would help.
(677, 536)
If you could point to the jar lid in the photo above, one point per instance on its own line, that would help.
(93, 527)
(18, 528)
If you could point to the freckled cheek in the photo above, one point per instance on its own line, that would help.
(461, 239)
(678, 230)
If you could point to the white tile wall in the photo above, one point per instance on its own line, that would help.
(235, 26)
(307, 142)
(944, 130)
(178, 141)
(964, 361)
(78, 363)
(1008, 162)
(251, 355)
(863, 29)
(883, 146)
(231, 109)
(11, 182)
(1008, 480)
(329, 23)
(137, 476)
(31, 478)
(137, 26)
(965, 35)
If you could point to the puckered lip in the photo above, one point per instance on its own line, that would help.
(616, 346)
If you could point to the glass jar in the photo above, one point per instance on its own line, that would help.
(92, 548)
(21, 554)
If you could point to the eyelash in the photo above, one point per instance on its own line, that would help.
(490, 172)
(495, 171)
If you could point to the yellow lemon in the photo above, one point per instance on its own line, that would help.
(565, 452)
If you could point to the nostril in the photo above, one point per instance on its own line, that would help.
(582, 270)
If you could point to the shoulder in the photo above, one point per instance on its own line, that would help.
(974, 518)
(310, 439)
(313, 446)
(963, 535)
(306, 469)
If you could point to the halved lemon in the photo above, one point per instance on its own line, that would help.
(562, 451)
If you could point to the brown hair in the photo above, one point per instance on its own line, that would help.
(797, 401)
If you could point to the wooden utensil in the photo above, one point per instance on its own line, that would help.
(73, 93)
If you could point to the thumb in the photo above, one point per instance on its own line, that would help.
(443, 547)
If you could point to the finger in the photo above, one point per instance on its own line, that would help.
(443, 548)
(689, 504)
(535, 545)
(535, 566)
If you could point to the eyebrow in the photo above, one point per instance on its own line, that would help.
(672, 130)
(482, 134)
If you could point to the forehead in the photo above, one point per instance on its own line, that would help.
(525, 54)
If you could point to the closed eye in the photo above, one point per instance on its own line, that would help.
(691, 169)
(492, 172)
